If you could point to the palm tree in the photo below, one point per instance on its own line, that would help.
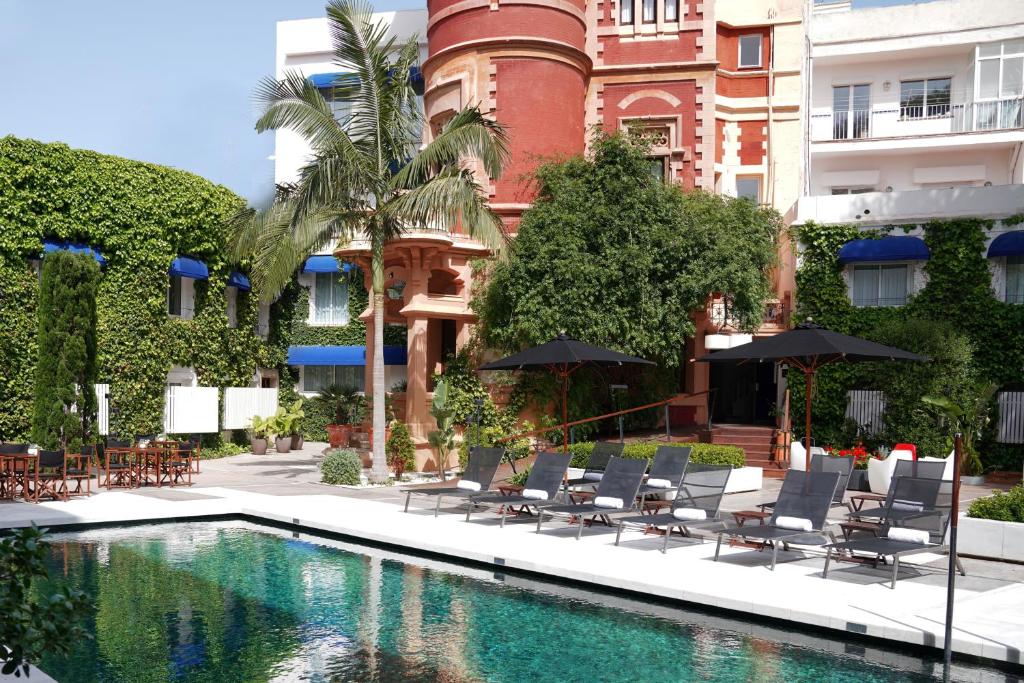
(366, 177)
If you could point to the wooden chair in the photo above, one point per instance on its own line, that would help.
(197, 451)
(79, 469)
(177, 464)
(51, 476)
(11, 478)
(119, 464)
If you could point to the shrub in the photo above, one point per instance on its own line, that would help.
(224, 450)
(400, 448)
(1000, 506)
(341, 466)
(519, 478)
(703, 453)
(489, 436)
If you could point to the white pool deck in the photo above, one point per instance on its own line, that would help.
(989, 613)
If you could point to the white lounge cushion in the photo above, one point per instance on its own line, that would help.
(909, 535)
(593, 476)
(535, 494)
(690, 514)
(608, 502)
(467, 485)
(794, 523)
(659, 483)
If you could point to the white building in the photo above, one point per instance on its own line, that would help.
(914, 113)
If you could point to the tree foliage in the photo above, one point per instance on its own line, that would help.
(65, 404)
(617, 258)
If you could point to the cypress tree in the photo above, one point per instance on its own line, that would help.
(64, 408)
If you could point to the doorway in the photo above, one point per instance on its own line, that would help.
(743, 393)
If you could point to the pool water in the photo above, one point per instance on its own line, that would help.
(230, 601)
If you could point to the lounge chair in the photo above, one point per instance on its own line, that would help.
(596, 464)
(904, 533)
(829, 463)
(696, 504)
(934, 469)
(541, 485)
(483, 463)
(616, 492)
(666, 471)
(799, 514)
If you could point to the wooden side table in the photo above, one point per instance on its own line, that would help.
(857, 501)
(744, 516)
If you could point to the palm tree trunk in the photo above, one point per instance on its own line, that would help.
(379, 471)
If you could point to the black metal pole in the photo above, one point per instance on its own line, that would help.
(668, 426)
(954, 514)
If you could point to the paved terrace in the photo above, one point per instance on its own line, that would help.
(855, 598)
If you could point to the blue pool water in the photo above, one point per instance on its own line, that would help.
(229, 601)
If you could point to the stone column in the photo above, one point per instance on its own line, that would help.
(417, 416)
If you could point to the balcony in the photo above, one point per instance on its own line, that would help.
(911, 206)
(917, 120)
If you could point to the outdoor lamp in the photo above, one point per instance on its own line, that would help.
(394, 292)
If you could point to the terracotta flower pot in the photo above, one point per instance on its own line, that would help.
(339, 435)
(258, 446)
(283, 444)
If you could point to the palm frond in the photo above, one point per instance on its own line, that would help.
(296, 104)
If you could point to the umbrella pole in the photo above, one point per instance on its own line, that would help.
(565, 412)
(954, 512)
(808, 390)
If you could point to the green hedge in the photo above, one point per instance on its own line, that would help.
(341, 466)
(1003, 507)
(703, 453)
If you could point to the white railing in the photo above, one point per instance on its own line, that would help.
(102, 408)
(241, 403)
(190, 410)
(866, 408)
(1011, 416)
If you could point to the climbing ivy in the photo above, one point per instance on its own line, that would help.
(977, 334)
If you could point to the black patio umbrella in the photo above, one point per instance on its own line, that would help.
(808, 347)
(563, 356)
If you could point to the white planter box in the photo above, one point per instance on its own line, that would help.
(744, 479)
(991, 539)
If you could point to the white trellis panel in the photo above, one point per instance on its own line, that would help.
(102, 408)
(241, 403)
(1011, 416)
(866, 407)
(191, 410)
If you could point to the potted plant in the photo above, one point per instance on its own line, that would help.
(259, 433)
(296, 414)
(969, 418)
(339, 401)
(400, 449)
(443, 438)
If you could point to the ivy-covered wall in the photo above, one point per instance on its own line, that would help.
(958, 296)
(140, 217)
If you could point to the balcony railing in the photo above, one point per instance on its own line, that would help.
(930, 119)
(775, 313)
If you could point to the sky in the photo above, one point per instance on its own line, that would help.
(165, 82)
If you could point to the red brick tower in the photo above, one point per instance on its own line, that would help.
(524, 62)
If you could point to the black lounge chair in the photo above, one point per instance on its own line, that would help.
(666, 471)
(829, 463)
(616, 492)
(697, 501)
(932, 469)
(905, 532)
(799, 515)
(541, 486)
(483, 463)
(596, 464)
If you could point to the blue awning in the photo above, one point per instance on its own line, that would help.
(325, 80)
(54, 245)
(1007, 244)
(239, 280)
(325, 264)
(329, 79)
(184, 266)
(884, 249)
(341, 355)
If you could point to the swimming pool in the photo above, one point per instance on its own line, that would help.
(233, 601)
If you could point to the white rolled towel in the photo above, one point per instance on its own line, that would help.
(794, 523)
(907, 506)
(593, 476)
(608, 502)
(906, 535)
(467, 485)
(535, 494)
(659, 483)
(690, 514)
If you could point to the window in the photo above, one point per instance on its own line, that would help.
(231, 294)
(852, 190)
(880, 285)
(922, 99)
(749, 188)
(330, 299)
(851, 111)
(1015, 279)
(1000, 83)
(625, 11)
(671, 10)
(319, 377)
(658, 168)
(650, 10)
(174, 296)
(750, 51)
